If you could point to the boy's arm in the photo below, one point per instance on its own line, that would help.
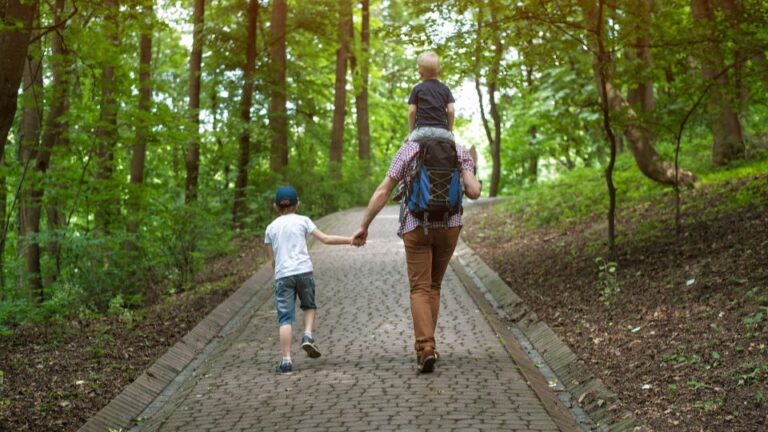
(451, 114)
(331, 239)
(411, 117)
(271, 255)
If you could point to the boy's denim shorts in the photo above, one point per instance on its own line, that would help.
(286, 291)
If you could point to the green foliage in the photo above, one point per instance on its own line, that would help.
(696, 385)
(608, 284)
(93, 263)
(101, 346)
(681, 357)
(582, 193)
(758, 374)
(672, 389)
(710, 405)
(4, 402)
(756, 323)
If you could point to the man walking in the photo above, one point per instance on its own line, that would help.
(429, 243)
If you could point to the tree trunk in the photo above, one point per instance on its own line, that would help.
(3, 227)
(478, 73)
(496, 143)
(139, 154)
(340, 92)
(56, 220)
(648, 160)
(239, 207)
(361, 98)
(604, 65)
(106, 132)
(533, 159)
(54, 134)
(278, 118)
(728, 142)
(641, 95)
(14, 39)
(215, 130)
(734, 15)
(29, 204)
(195, 63)
(532, 171)
(493, 74)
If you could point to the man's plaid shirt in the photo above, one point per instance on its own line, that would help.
(401, 167)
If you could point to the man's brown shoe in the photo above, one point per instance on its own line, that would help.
(427, 363)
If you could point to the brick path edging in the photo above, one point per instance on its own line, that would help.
(601, 405)
(123, 411)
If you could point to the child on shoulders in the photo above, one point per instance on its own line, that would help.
(430, 105)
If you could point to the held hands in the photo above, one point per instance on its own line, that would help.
(360, 237)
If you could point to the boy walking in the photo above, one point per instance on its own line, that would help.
(430, 106)
(293, 271)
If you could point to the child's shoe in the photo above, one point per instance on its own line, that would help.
(308, 345)
(284, 367)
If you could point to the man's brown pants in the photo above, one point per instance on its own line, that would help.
(427, 256)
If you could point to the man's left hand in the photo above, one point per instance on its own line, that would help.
(360, 237)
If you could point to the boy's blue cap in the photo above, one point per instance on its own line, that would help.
(286, 196)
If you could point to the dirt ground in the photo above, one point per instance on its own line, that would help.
(56, 377)
(683, 342)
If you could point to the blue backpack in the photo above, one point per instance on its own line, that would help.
(435, 191)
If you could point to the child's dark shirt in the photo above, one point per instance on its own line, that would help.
(431, 98)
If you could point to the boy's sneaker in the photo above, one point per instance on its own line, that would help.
(308, 345)
(285, 367)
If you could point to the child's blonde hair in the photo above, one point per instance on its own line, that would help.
(429, 65)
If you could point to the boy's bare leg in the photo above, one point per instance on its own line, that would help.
(309, 320)
(285, 339)
(308, 342)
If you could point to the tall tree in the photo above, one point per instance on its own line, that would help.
(239, 208)
(106, 132)
(603, 63)
(734, 15)
(139, 153)
(641, 94)
(361, 82)
(727, 136)
(340, 90)
(15, 29)
(215, 131)
(3, 225)
(493, 79)
(278, 119)
(55, 132)
(29, 208)
(193, 115)
(647, 158)
(494, 137)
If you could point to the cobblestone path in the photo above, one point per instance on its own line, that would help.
(366, 379)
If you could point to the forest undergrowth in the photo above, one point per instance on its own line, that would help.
(678, 330)
(677, 325)
(57, 375)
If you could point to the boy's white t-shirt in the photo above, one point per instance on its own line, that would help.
(288, 236)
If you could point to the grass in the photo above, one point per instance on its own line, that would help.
(582, 193)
